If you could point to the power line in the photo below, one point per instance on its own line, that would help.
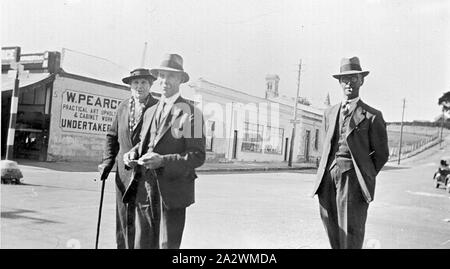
(93, 56)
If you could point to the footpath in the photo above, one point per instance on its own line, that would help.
(208, 167)
(232, 166)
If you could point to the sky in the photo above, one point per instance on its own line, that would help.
(235, 43)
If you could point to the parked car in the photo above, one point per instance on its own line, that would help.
(10, 172)
(442, 175)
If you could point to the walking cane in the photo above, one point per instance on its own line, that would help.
(100, 213)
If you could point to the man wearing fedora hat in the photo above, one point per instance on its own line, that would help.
(135, 220)
(172, 146)
(354, 151)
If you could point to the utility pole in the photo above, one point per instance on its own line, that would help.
(143, 55)
(401, 134)
(294, 120)
(14, 105)
(442, 128)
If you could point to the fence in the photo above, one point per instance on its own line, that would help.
(412, 149)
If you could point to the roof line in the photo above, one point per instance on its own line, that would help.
(261, 98)
(88, 79)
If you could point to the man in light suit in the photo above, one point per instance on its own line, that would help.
(134, 219)
(172, 146)
(355, 148)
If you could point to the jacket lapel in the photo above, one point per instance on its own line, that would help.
(126, 115)
(148, 127)
(358, 116)
(138, 127)
(168, 120)
(333, 119)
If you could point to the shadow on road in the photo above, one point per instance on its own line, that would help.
(21, 214)
(61, 166)
(60, 187)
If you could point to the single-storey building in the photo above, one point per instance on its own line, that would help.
(65, 110)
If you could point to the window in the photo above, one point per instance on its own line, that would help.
(27, 96)
(210, 126)
(316, 140)
(32, 96)
(39, 95)
(273, 140)
(253, 137)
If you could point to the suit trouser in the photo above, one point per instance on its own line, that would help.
(343, 209)
(137, 223)
(171, 227)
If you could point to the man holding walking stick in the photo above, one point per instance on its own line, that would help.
(134, 217)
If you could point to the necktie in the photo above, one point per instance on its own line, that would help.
(345, 108)
(161, 112)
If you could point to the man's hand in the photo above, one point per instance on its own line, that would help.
(151, 160)
(104, 171)
(129, 159)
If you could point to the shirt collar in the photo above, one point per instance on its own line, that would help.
(137, 101)
(170, 100)
(351, 103)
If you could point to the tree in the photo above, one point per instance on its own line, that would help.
(444, 101)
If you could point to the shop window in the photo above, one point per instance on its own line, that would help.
(27, 96)
(253, 137)
(273, 140)
(39, 95)
(210, 126)
(32, 96)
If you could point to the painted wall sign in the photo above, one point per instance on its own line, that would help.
(87, 113)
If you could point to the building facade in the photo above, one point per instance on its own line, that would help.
(60, 116)
(244, 127)
(64, 113)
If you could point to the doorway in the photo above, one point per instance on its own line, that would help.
(32, 122)
(307, 142)
(234, 155)
(286, 143)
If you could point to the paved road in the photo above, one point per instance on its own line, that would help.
(57, 209)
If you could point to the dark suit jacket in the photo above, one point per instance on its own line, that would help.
(119, 140)
(181, 142)
(368, 143)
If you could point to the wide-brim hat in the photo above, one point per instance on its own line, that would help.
(139, 73)
(350, 66)
(173, 63)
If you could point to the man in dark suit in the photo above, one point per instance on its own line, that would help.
(134, 219)
(355, 148)
(172, 146)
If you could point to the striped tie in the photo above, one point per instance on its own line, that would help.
(161, 112)
(345, 108)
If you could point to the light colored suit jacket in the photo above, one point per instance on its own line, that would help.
(368, 143)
